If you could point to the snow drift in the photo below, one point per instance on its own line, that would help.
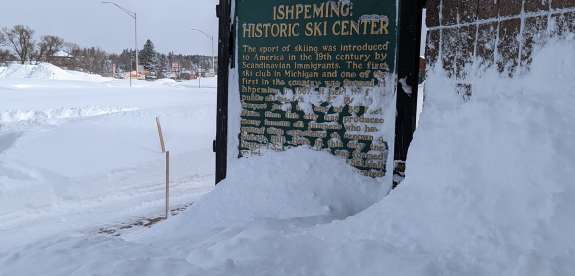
(489, 191)
(45, 71)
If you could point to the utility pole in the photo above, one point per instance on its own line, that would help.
(131, 69)
(136, 45)
(134, 16)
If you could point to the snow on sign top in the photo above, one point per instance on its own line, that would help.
(319, 74)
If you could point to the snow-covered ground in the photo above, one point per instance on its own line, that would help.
(79, 152)
(489, 191)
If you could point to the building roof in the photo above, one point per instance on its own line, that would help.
(62, 53)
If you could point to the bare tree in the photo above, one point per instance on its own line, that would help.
(48, 46)
(91, 60)
(19, 38)
(69, 47)
(5, 56)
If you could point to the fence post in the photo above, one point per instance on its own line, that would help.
(167, 183)
(160, 134)
(167, 154)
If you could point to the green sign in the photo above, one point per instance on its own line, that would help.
(318, 74)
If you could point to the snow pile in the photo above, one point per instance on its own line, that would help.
(274, 187)
(490, 182)
(489, 191)
(45, 71)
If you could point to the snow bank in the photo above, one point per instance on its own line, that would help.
(283, 186)
(45, 71)
(489, 191)
(489, 184)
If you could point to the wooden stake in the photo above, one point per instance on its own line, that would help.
(167, 183)
(160, 134)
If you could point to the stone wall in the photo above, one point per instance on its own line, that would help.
(501, 33)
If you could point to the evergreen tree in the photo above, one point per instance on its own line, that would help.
(163, 66)
(126, 60)
(149, 57)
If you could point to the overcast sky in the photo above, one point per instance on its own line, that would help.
(89, 23)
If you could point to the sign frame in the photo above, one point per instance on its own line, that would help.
(404, 108)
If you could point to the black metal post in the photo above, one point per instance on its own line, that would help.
(220, 144)
(410, 15)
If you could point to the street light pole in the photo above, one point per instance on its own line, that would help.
(211, 38)
(136, 45)
(133, 15)
(131, 68)
(213, 58)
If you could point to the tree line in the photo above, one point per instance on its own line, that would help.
(17, 44)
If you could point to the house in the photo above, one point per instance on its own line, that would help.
(62, 59)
